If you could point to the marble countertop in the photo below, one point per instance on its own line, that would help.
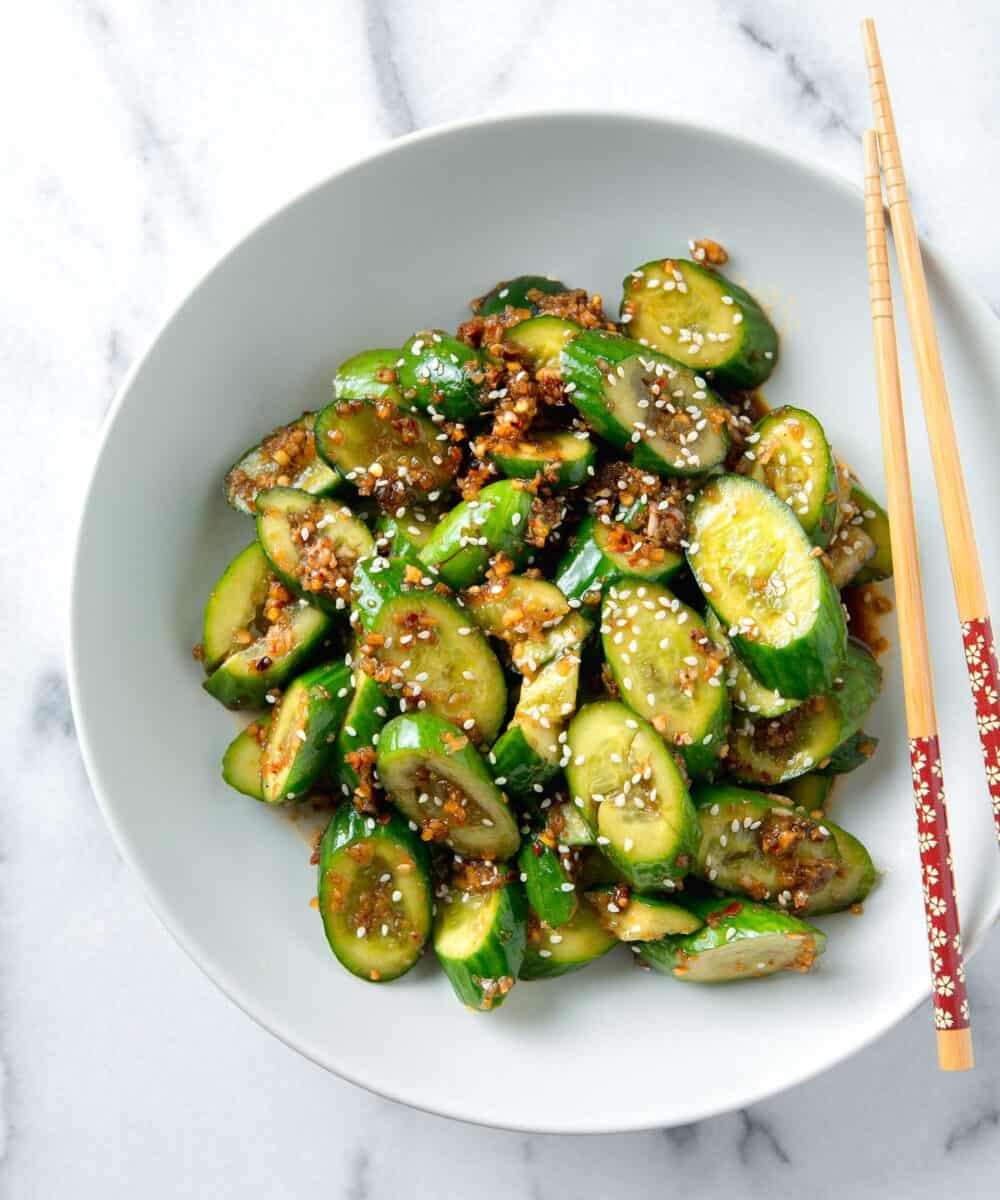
(140, 140)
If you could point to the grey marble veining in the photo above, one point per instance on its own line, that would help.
(141, 140)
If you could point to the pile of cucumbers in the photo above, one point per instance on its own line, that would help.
(535, 742)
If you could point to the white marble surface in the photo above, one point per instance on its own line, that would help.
(140, 138)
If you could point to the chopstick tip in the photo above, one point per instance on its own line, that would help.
(955, 1050)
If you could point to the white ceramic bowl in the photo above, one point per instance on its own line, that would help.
(399, 242)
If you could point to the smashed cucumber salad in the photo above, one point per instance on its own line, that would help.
(547, 613)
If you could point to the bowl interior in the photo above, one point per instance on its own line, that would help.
(397, 243)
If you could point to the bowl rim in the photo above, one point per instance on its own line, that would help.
(234, 991)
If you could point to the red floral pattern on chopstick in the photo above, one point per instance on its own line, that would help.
(951, 1005)
(984, 675)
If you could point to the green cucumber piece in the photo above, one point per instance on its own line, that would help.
(241, 762)
(852, 753)
(791, 456)
(857, 687)
(312, 545)
(452, 669)
(515, 608)
(569, 634)
(668, 670)
(374, 894)
(562, 460)
(701, 318)
(516, 293)
(738, 940)
(437, 778)
(553, 952)
(524, 758)
(404, 535)
(746, 692)
(631, 792)
(566, 825)
(640, 918)
(442, 375)
(874, 521)
(756, 844)
(465, 539)
(479, 940)
(364, 717)
(847, 554)
(769, 751)
(851, 882)
(595, 870)
(810, 791)
(548, 882)
(285, 458)
(368, 375)
(642, 401)
(234, 607)
(378, 444)
(591, 563)
(303, 731)
(532, 748)
(245, 678)
(754, 563)
(540, 340)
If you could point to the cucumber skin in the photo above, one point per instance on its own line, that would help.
(670, 952)
(848, 756)
(355, 377)
(366, 723)
(585, 568)
(847, 887)
(493, 518)
(880, 566)
(453, 391)
(519, 764)
(325, 714)
(516, 297)
(810, 791)
(570, 473)
(862, 683)
(499, 957)
(249, 691)
(543, 876)
(750, 369)
(349, 826)
(808, 665)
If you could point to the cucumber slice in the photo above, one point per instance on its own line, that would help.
(442, 375)
(452, 669)
(631, 792)
(368, 375)
(851, 882)
(570, 634)
(552, 952)
(668, 670)
(235, 606)
(479, 940)
(773, 750)
(517, 293)
(758, 845)
(438, 779)
(548, 881)
(700, 318)
(285, 458)
(245, 678)
(303, 730)
(633, 918)
(639, 400)
(241, 762)
(562, 460)
(874, 521)
(595, 870)
(364, 717)
(850, 754)
(811, 791)
(847, 554)
(739, 940)
(377, 445)
(374, 894)
(566, 825)
(791, 456)
(515, 608)
(312, 545)
(754, 563)
(465, 539)
(857, 687)
(532, 748)
(540, 340)
(405, 535)
(746, 692)
(600, 556)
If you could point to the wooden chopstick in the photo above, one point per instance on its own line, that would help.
(966, 573)
(951, 1006)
